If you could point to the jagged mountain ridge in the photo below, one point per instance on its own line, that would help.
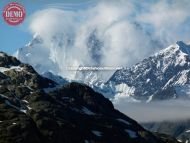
(161, 76)
(36, 109)
(164, 75)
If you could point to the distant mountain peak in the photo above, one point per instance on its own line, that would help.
(178, 46)
(160, 75)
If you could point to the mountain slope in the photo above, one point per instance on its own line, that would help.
(36, 109)
(164, 75)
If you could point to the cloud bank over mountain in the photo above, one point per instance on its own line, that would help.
(120, 33)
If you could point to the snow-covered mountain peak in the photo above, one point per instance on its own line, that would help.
(160, 75)
(35, 40)
(63, 55)
(179, 46)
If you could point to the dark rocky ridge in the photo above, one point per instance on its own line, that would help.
(34, 109)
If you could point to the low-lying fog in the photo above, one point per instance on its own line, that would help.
(156, 111)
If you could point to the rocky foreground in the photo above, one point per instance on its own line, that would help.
(34, 109)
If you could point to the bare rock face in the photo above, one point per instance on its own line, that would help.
(6, 60)
(34, 109)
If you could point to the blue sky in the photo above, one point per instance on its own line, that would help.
(14, 37)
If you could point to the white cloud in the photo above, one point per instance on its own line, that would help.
(169, 18)
(129, 31)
